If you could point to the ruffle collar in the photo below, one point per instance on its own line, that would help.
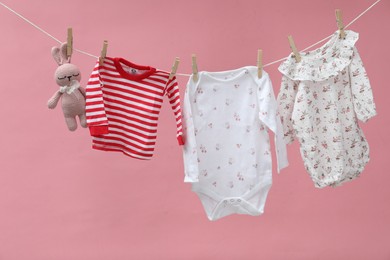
(322, 63)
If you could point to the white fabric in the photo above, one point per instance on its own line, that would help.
(74, 84)
(320, 100)
(227, 151)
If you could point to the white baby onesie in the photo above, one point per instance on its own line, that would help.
(227, 151)
(320, 100)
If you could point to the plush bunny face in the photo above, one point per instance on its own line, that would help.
(66, 73)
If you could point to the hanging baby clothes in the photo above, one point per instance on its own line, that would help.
(320, 100)
(123, 102)
(227, 151)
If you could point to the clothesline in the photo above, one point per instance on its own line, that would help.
(181, 74)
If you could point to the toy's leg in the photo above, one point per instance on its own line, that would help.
(71, 123)
(83, 120)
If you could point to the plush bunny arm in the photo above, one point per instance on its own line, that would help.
(52, 103)
(82, 90)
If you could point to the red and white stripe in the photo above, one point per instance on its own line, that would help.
(122, 113)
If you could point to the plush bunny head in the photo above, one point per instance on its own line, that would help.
(66, 73)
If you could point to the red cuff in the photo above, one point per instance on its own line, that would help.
(98, 130)
(180, 140)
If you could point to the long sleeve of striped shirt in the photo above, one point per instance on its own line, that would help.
(172, 92)
(95, 112)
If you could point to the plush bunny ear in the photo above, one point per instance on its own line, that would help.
(55, 52)
(64, 57)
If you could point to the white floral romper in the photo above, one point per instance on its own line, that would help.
(227, 155)
(320, 101)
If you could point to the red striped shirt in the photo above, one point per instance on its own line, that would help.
(123, 103)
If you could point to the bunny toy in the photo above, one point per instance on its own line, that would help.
(68, 78)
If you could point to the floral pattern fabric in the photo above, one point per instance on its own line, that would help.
(320, 101)
(227, 157)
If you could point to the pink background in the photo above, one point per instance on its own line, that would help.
(59, 199)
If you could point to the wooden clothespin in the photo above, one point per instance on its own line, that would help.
(69, 41)
(194, 68)
(340, 24)
(259, 63)
(174, 68)
(294, 49)
(103, 53)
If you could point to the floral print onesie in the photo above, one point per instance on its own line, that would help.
(320, 101)
(227, 153)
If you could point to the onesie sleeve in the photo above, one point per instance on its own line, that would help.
(268, 113)
(173, 94)
(190, 151)
(363, 100)
(286, 100)
(94, 107)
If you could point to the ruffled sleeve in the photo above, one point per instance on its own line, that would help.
(363, 99)
(286, 101)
